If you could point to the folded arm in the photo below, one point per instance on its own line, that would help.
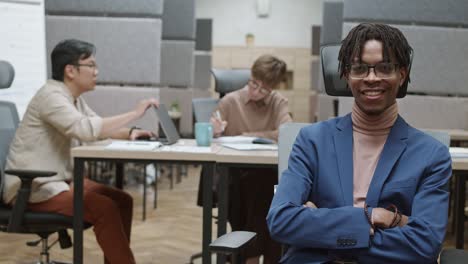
(292, 223)
(419, 241)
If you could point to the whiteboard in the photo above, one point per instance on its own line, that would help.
(22, 43)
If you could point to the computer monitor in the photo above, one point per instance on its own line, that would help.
(168, 127)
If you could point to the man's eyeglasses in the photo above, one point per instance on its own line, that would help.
(90, 65)
(255, 86)
(383, 70)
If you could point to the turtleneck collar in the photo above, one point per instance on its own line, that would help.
(374, 125)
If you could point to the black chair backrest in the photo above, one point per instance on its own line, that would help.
(227, 81)
(334, 85)
(7, 74)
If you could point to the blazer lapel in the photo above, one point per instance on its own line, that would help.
(393, 148)
(343, 139)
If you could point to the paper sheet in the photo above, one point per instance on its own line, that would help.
(134, 145)
(234, 139)
(250, 146)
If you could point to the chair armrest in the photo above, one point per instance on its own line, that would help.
(454, 256)
(232, 243)
(30, 174)
(22, 197)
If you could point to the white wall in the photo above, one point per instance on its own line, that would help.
(22, 27)
(288, 25)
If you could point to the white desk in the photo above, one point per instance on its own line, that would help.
(98, 152)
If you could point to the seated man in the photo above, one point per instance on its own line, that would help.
(58, 118)
(255, 110)
(366, 187)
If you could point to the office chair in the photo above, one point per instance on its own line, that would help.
(233, 243)
(18, 219)
(454, 256)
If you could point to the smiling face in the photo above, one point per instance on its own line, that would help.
(372, 94)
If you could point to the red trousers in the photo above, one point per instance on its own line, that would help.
(109, 210)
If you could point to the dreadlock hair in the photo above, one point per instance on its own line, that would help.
(269, 70)
(393, 41)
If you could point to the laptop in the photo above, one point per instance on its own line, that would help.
(167, 126)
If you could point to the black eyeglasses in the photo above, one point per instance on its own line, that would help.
(254, 86)
(90, 65)
(383, 70)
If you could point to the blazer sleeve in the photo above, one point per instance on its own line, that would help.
(291, 223)
(420, 241)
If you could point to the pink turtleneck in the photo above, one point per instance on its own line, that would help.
(369, 136)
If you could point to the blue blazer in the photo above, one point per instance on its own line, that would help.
(413, 173)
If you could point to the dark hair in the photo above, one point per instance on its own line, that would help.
(393, 41)
(269, 70)
(69, 51)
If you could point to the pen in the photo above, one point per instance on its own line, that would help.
(218, 115)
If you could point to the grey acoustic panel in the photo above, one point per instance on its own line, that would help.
(179, 20)
(315, 39)
(114, 100)
(202, 77)
(315, 72)
(134, 8)
(332, 22)
(425, 12)
(177, 63)
(440, 63)
(424, 111)
(128, 49)
(203, 39)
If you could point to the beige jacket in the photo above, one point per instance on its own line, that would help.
(53, 123)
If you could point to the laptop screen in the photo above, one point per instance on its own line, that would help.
(168, 127)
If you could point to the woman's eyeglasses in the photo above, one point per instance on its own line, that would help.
(255, 86)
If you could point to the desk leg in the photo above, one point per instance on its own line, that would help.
(459, 213)
(207, 211)
(222, 206)
(78, 211)
(119, 174)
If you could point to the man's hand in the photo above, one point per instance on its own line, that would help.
(141, 107)
(383, 218)
(218, 125)
(140, 133)
(310, 204)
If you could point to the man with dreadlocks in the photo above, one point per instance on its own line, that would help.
(366, 187)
